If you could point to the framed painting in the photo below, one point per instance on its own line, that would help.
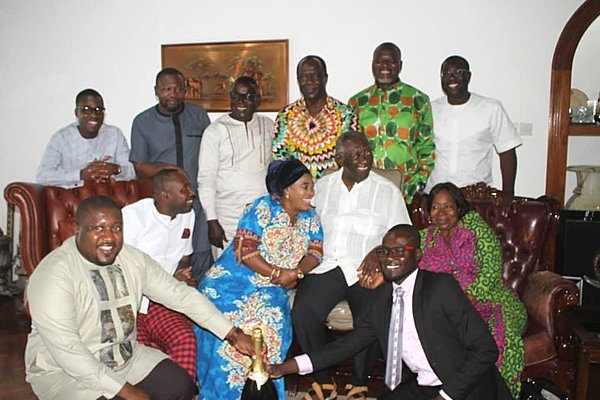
(211, 68)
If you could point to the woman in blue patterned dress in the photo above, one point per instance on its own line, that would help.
(278, 240)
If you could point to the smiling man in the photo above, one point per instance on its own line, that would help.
(84, 297)
(234, 156)
(356, 208)
(162, 227)
(397, 120)
(467, 127)
(435, 344)
(88, 150)
(308, 128)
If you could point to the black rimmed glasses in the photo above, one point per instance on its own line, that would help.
(89, 110)
(243, 96)
(383, 252)
(457, 73)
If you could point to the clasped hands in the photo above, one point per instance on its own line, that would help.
(99, 171)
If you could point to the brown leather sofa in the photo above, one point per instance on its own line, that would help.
(527, 234)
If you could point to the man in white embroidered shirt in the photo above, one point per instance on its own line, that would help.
(162, 227)
(356, 208)
(440, 349)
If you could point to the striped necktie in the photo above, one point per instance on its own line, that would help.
(393, 366)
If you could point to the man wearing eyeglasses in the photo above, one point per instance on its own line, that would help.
(397, 120)
(467, 127)
(234, 155)
(87, 150)
(435, 344)
(168, 135)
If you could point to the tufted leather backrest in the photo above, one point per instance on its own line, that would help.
(61, 204)
(526, 231)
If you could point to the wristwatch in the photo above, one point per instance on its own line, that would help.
(300, 274)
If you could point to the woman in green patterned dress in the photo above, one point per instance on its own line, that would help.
(461, 243)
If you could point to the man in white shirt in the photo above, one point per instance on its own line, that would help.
(162, 227)
(467, 128)
(84, 297)
(356, 208)
(234, 155)
(435, 343)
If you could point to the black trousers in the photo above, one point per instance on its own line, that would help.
(316, 296)
(167, 381)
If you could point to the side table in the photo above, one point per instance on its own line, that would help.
(585, 322)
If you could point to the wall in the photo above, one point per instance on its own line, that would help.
(51, 50)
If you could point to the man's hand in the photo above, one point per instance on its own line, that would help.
(185, 275)
(369, 274)
(99, 171)
(130, 392)
(278, 370)
(216, 234)
(242, 342)
(286, 278)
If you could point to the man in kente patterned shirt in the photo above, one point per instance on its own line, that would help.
(397, 120)
(308, 128)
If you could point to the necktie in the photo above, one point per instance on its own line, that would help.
(393, 367)
(178, 140)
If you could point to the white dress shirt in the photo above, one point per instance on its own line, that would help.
(354, 221)
(465, 135)
(166, 240)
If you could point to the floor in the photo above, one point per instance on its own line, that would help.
(14, 326)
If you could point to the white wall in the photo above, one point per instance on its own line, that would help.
(50, 50)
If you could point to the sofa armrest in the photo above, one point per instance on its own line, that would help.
(30, 199)
(547, 296)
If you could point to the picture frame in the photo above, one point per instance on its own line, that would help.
(211, 68)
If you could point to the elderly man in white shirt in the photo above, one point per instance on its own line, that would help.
(356, 208)
(234, 155)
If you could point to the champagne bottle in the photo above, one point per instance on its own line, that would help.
(259, 386)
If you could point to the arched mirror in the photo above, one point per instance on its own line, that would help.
(560, 127)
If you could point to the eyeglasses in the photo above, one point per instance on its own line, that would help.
(243, 96)
(355, 156)
(383, 251)
(457, 73)
(88, 110)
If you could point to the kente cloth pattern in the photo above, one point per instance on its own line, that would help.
(474, 257)
(312, 139)
(248, 299)
(398, 123)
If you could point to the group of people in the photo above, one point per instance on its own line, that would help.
(286, 204)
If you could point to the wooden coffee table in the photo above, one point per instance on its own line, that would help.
(586, 326)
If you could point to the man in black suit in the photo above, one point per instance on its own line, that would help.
(446, 350)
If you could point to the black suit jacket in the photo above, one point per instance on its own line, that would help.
(456, 341)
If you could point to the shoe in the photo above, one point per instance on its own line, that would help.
(325, 391)
(356, 392)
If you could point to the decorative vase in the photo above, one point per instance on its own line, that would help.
(586, 196)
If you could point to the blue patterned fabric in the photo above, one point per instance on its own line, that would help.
(248, 299)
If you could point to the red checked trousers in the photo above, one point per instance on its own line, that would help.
(170, 332)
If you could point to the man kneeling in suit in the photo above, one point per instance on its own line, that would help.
(436, 344)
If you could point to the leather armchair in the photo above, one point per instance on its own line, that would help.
(528, 235)
(48, 212)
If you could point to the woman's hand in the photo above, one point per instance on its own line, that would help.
(369, 274)
(278, 370)
(288, 278)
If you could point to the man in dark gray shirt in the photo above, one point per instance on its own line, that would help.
(168, 135)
